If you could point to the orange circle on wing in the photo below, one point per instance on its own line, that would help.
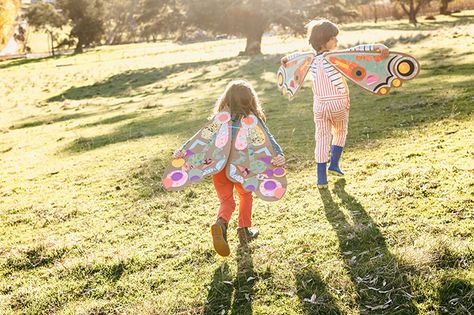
(404, 67)
(396, 83)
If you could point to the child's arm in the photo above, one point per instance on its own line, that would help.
(179, 153)
(372, 47)
(280, 159)
(289, 57)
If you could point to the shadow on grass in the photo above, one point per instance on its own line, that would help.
(219, 297)
(46, 120)
(244, 282)
(35, 257)
(110, 120)
(423, 25)
(171, 123)
(24, 61)
(389, 42)
(123, 84)
(314, 295)
(456, 296)
(380, 279)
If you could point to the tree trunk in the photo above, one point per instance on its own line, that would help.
(411, 12)
(79, 49)
(375, 13)
(443, 9)
(412, 16)
(254, 43)
(53, 53)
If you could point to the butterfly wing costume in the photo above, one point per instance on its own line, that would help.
(366, 69)
(246, 157)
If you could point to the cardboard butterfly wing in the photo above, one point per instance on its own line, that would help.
(206, 153)
(291, 76)
(250, 161)
(372, 72)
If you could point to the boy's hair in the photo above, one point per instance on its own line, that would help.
(320, 32)
(239, 97)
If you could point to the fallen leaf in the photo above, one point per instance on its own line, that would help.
(312, 300)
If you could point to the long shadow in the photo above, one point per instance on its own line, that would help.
(244, 282)
(314, 295)
(24, 61)
(48, 119)
(456, 296)
(123, 84)
(110, 120)
(221, 289)
(404, 25)
(219, 295)
(380, 279)
(171, 123)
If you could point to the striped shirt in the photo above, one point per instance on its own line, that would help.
(334, 76)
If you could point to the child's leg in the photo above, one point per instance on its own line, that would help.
(323, 140)
(225, 191)
(245, 206)
(322, 137)
(339, 121)
(245, 216)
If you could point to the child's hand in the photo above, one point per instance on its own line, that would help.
(178, 154)
(284, 60)
(383, 50)
(279, 160)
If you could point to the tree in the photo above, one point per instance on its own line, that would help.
(251, 18)
(339, 13)
(411, 8)
(160, 17)
(443, 9)
(373, 3)
(8, 14)
(87, 19)
(45, 17)
(121, 21)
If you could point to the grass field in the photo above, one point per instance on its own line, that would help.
(86, 228)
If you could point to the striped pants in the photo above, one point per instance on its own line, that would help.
(331, 118)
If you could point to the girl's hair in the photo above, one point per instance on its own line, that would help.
(239, 97)
(320, 32)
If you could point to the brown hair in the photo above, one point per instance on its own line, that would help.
(239, 97)
(320, 32)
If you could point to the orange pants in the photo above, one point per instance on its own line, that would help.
(225, 192)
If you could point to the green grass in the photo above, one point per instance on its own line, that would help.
(86, 228)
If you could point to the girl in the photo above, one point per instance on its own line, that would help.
(331, 97)
(240, 100)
